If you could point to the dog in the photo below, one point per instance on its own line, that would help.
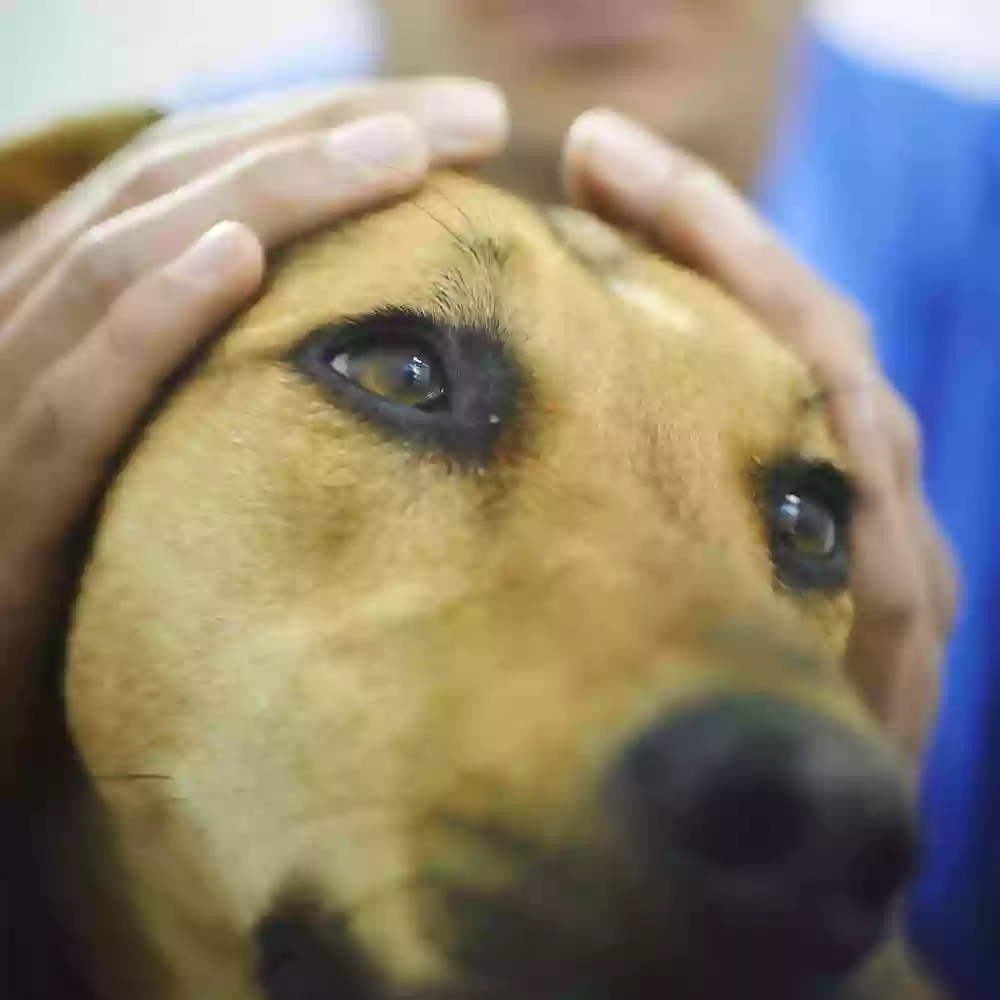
(468, 621)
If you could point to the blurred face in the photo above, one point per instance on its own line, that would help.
(705, 73)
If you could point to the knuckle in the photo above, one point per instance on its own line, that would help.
(95, 265)
(148, 177)
(38, 428)
(121, 348)
(88, 256)
(897, 609)
(832, 333)
(690, 177)
(273, 185)
(687, 184)
(254, 160)
(784, 303)
(260, 181)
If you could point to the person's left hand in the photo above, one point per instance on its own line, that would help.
(904, 580)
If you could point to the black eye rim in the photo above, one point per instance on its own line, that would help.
(819, 482)
(483, 382)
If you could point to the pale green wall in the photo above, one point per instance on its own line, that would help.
(61, 55)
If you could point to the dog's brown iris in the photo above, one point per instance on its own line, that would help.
(408, 375)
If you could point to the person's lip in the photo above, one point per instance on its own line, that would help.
(566, 26)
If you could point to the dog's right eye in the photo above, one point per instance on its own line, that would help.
(807, 509)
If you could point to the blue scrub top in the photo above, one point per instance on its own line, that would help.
(891, 189)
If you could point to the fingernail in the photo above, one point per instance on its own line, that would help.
(463, 119)
(628, 161)
(201, 262)
(388, 144)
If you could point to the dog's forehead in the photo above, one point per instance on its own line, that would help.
(572, 297)
(500, 255)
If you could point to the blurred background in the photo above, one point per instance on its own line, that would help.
(59, 56)
(64, 55)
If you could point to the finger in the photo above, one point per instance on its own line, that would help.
(461, 115)
(61, 437)
(888, 582)
(682, 204)
(940, 569)
(462, 121)
(279, 191)
(639, 180)
(53, 454)
(940, 566)
(899, 588)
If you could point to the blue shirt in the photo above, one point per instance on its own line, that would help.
(891, 189)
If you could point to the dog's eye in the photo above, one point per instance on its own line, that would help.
(807, 508)
(439, 387)
(410, 375)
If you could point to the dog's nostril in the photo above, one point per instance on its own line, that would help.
(722, 789)
(751, 816)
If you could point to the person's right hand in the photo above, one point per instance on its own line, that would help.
(110, 287)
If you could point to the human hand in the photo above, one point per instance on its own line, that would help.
(107, 290)
(904, 581)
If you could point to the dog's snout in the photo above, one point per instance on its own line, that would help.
(769, 817)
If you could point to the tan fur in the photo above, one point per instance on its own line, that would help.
(300, 643)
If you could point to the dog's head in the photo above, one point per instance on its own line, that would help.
(472, 620)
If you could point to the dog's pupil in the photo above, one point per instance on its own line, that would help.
(805, 527)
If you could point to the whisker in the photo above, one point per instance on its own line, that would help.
(453, 204)
(134, 776)
(454, 234)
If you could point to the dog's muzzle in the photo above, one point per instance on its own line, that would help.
(784, 837)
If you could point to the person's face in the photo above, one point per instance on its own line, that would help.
(702, 72)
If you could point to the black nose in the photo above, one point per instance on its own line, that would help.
(775, 824)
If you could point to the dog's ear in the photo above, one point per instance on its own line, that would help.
(36, 167)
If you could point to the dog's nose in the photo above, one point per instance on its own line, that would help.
(774, 822)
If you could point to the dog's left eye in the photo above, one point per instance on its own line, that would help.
(445, 388)
(408, 374)
(807, 508)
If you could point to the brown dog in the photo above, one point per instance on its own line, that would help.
(469, 622)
